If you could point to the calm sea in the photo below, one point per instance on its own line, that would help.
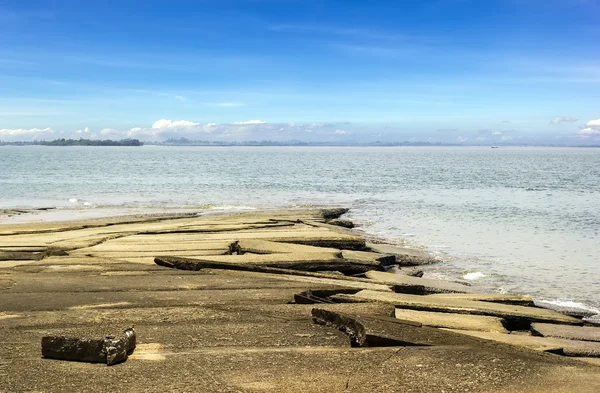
(525, 220)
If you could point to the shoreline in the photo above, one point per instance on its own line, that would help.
(419, 258)
(278, 300)
(510, 230)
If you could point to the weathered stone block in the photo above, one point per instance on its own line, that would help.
(342, 223)
(332, 214)
(109, 350)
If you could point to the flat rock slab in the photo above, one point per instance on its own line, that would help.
(404, 256)
(382, 331)
(120, 245)
(20, 256)
(268, 247)
(311, 262)
(416, 285)
(594, 361)
(313, 278)
(161, 280)
(257, 246)
(452, 321)
(582, 333)
(517, 314)
(488, 297)
(213, 228)
(546, 344)
(144, 318)
(238, 330)
(308, 369)
(311, 237)
(21, 249)
(270, 293)
(125, 255)
(264, 332)
(276, 258)
(369, 257)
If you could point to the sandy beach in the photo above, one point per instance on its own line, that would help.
(267, 301)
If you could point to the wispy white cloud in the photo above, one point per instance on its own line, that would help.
(342, 132)
(228, 104)
(174, 96)
(549, 69)
(164, 123)
(243, 130)
(249, 122)
(164, 128)
(150, 61)
(354, 32)
(362, 41)
(559, 120)
(591, 129)
(20, 133)
(86, 130)
(378, 51)
(593, 123)
(111, 133)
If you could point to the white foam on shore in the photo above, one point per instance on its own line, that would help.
(569, 304)
(231, 207)
(73, 200)
(473, 276)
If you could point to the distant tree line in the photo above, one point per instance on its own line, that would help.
(90, 142)
(187, 142)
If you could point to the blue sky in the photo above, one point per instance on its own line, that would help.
(470, 71)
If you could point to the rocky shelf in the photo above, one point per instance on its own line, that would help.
(277, 301)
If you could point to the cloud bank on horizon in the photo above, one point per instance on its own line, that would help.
(343, 71)
(256, 130)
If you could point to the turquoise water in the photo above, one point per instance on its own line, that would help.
(527, 219)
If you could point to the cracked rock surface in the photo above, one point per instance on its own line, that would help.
(232, 325)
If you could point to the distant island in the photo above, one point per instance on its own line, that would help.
(292, 143)
(91, 142)
(79, 142)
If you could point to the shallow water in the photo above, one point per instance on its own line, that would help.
(526, 219)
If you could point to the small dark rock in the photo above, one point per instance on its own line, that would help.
(415, 273)
(342, 223)
(414, 260)
(332, 214)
